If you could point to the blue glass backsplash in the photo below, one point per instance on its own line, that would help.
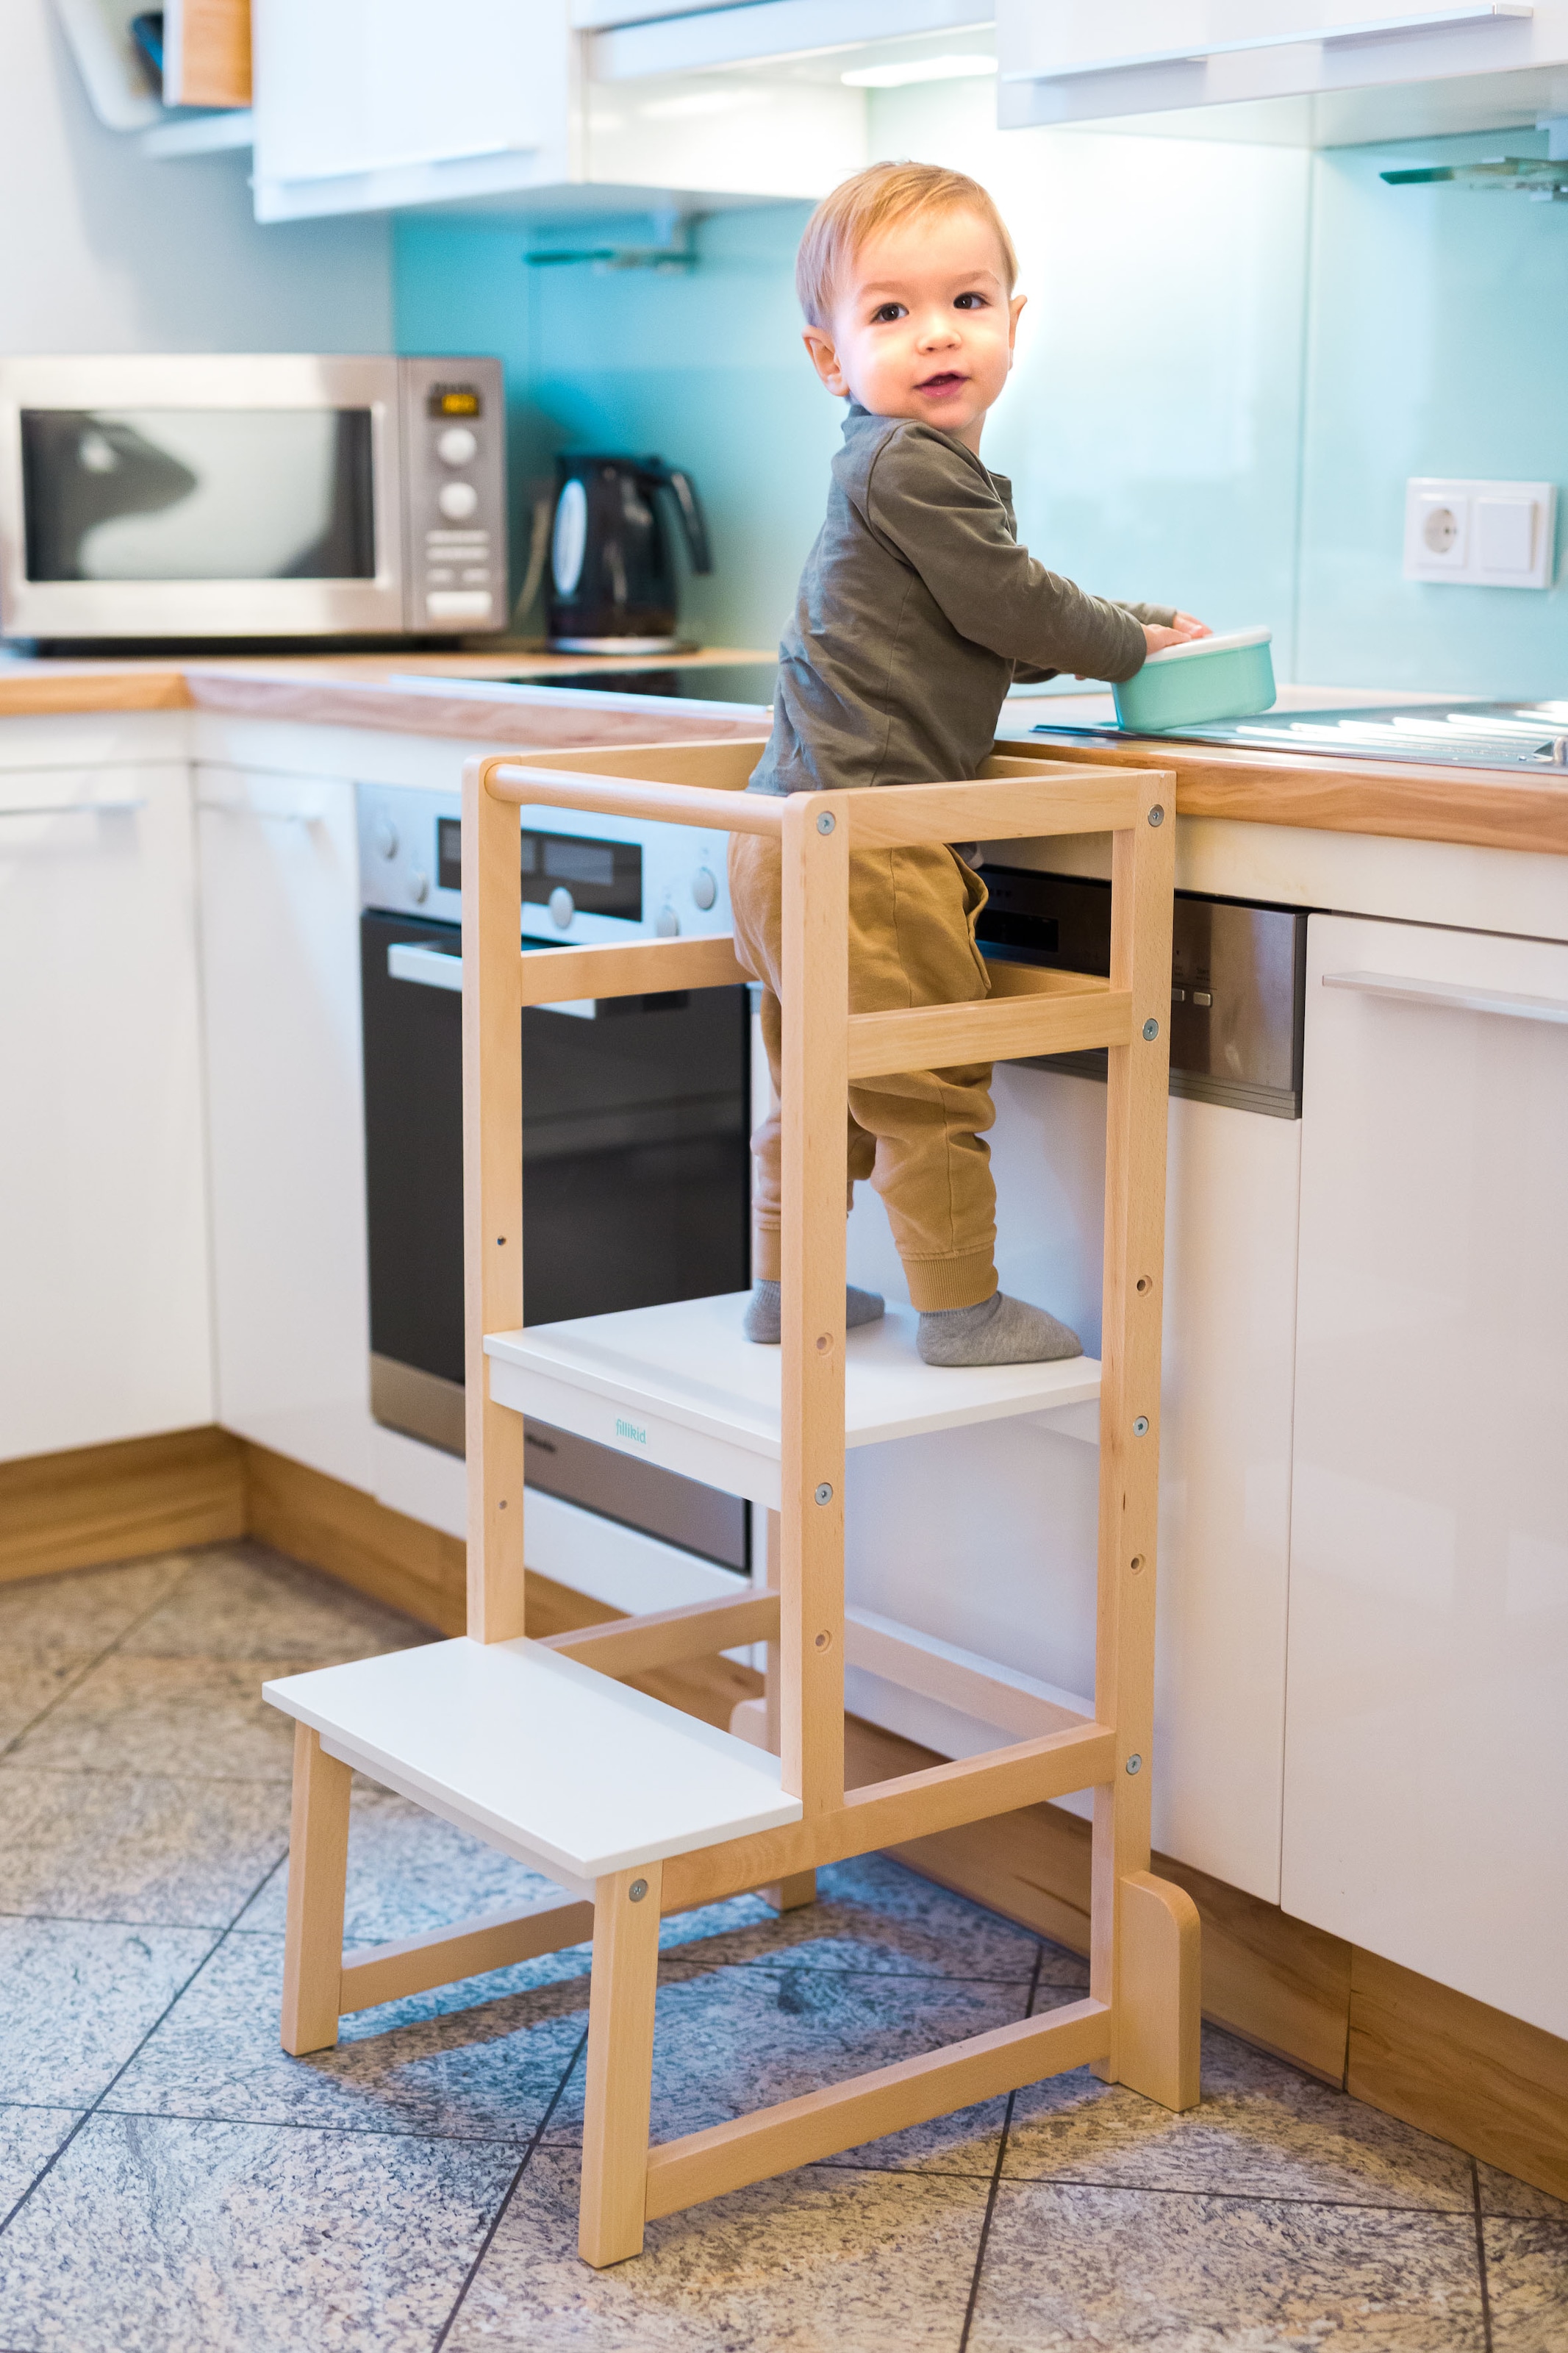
(1232, 358)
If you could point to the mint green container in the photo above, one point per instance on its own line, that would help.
(1196, 684)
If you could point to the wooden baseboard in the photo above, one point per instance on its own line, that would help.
(95, 1503)
(1457, 2068)
(341, 1529)
(1450, 2065)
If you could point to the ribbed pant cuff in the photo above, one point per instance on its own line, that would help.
(767, 1261)
(940, 1283)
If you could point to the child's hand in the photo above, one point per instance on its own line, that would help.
(1181, 632)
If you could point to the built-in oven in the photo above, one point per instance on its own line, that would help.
(636, 1126)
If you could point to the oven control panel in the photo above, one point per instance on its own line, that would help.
(584, 878)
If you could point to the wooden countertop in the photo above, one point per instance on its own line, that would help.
(402, 693)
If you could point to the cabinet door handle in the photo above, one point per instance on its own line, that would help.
(1453, 994)
(1372, 28)
(268, 816)
(78, 809)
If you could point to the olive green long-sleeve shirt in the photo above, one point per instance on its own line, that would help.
(917, 611)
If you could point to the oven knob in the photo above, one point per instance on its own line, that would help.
(667, 926)
(704, 890)
(418, 887)
(562, 907)
(458, 501)
(387, 837)
(457, 445)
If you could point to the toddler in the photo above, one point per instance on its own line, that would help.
(917, 611)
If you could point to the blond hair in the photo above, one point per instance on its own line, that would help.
(873, 200)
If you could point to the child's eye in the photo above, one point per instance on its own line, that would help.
(886, 313)
(969, 303)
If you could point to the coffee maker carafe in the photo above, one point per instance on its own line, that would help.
(611, 574)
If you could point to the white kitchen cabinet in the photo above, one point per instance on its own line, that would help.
(651, 36)
(500, 104)
(103, 1253)
(1427, 1756)
(1330, 70)
(280, 930)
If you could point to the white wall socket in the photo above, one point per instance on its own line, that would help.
(1479, 534)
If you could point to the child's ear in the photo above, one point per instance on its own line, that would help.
(825, 359)
(1015, 310)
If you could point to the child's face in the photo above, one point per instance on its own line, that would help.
(923, 325)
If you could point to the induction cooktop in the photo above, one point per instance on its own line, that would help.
(737, 682)
(1465, 736)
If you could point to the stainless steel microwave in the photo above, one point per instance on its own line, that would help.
(265, 495)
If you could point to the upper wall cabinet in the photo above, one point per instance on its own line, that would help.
(631, 37)
(364, 104)
(1320, 72)
(511, 104)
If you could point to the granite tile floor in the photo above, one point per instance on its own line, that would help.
(171, 2182)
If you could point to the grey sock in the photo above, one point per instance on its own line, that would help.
(1000, 1331)
(763, 1317)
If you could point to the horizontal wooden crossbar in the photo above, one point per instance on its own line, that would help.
(939, 1671)
(886, 1813)
(497, 1940)
(994, 1030)
(716, 809)
(995, 808)
(626, 1646)
(641, 968)
(799, 2132)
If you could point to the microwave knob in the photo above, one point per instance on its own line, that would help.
(704, 890)
(562, 907)
(458, 501)
(418, 887)
(667, 924)
(457, 445)
(385, 837)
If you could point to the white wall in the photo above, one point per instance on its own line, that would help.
(103, 249)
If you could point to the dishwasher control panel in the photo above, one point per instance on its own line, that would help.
(586, 878)
(1238, 978)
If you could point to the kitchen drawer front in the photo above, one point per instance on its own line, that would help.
(1427, 1750)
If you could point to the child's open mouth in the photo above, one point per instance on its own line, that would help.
(948, 382)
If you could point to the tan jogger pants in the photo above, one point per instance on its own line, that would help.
(917, 1134)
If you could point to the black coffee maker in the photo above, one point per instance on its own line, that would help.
(612, 577)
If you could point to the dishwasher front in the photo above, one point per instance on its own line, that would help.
(986, 1537)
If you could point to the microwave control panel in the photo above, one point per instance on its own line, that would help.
(453, 494)
(584, 878)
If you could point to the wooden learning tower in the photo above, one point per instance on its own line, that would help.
(633, 1807)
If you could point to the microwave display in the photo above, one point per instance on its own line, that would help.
(145, 494)
(603, 878)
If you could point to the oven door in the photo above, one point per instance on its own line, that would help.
(636, 1174)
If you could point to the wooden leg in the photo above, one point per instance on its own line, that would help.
(620, 2065)
(789, 1895)
(318, 1866)
(1157, 2045)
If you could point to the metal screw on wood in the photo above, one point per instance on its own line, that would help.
(1140, 1427)
(824, 822)
(825, 1494)
(1135, 1764)
(1151, 1029)
(639, 1888)
(1156, 814)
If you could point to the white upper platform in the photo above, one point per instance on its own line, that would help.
(682, 1386)
(540, 1756)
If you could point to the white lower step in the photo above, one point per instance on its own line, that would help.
(539, 1755)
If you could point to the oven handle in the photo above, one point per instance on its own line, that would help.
(1455, 996)
(432, 968)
